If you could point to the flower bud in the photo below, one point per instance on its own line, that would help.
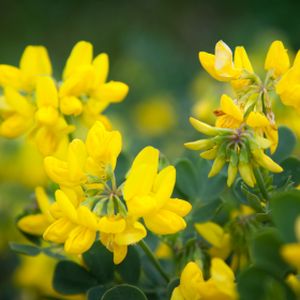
(210, 154)
(200, 144)
(244, 154)
(232, 167)
(217, 166)
(246, 172)
(277, 59)
(203, 127)
(266, 162)
(232, 172)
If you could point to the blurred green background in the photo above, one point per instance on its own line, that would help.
(153, 47)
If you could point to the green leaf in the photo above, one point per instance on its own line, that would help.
(95, 293)
(186, 178)
(193, 182)
(291, 169)
(264, 252)
(287, 143)
(100, 262)
(122, 166)
(205, 212)
(252, 199)
(124, 291)
(130, 268)
(52, 253)
(285, 207)
(150, 272)
(31, 238)
(30, 250)
(209, 188)
(70, 278)
(258, 284)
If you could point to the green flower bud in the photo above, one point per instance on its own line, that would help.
(210, 154)
(200, 144)
(246, 172)
(217, 166)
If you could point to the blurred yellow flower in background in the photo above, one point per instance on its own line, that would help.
(217, 237)
(291, 252)
(35, 273)
(220, 285)
(155, 116)
(37, 223)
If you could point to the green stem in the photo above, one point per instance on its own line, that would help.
(263, 103)
(154, 260)
(260, 183)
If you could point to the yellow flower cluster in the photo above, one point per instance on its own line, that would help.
(192, 285)
(243, 151)
(245, 125)
(89, 202)
(34, 103)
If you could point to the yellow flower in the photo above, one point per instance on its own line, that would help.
(288, 87)
(243, 210)
(68, 173)
(155, 116)
(190, 280)
(241, 62)
(103, 148)
(82, 237)
(36, 224)
(51, 129)
(76, 227)
(294, 283)
(47, 101)
(30, 102)
(291, 252)
(217, 237)
(148, 194)
(220, 65)
(65, 215)
(34, 62)
(100, 150)
(85, 77)
(277, 59)
(229, 115)
(163, 251)
(37, 273)
(17, 113)
(193, 286)
(117, 233)
(263, 126)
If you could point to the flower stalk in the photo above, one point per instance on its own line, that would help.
(260, 184)
(153, 260)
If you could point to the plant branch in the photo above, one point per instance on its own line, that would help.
(153, 260)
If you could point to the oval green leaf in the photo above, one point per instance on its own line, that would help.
(130, 268)
(124, 291)
(282, 205)
(100, 263)
(30, 250)
(71, 279)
